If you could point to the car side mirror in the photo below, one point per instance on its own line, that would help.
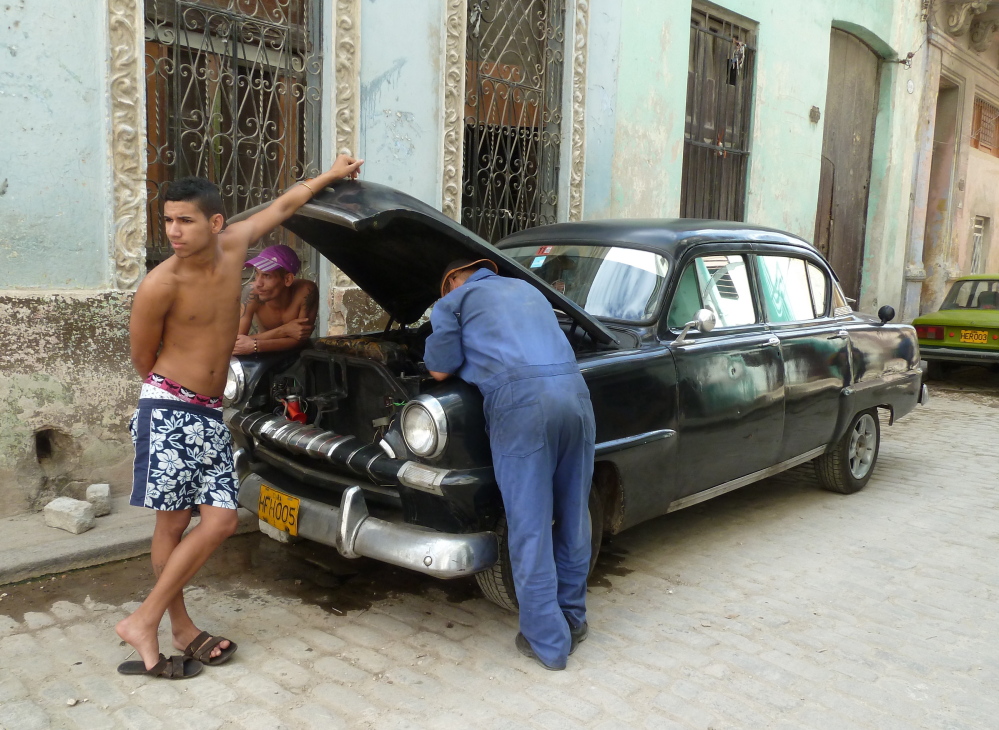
(886, 314)
(704, 321)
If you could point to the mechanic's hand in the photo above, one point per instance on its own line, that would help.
(243, 346)
(299, 329)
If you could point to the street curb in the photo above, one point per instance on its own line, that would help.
(44, 550)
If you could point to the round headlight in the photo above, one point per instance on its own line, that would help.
(424, 426)
(235, 383)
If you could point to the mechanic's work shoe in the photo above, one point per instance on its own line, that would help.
(578, 635)
(524, 647)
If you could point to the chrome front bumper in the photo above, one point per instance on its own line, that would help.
(354, 533)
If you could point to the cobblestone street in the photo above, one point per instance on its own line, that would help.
(776, 606)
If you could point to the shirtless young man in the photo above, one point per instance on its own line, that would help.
(285, 307)
(185, 316)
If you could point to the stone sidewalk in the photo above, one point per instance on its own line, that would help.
(776, 606)
(29, 548)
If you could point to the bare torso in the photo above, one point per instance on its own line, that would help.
(200, 326)
(302, 293)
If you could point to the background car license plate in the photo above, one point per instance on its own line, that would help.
(975, 337)
(278, 509)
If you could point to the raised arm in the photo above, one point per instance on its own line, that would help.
(150, 305)
(243, 233)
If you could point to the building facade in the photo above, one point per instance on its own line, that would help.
(957, 171)
(504, 114)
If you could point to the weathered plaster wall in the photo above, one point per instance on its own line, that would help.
(401, 86)
(979, 200)
(53, 169)
(67, 375)
(636, 98)
(636, 95)
(400, 124)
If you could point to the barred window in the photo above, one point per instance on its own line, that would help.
(233, 95)
(983, 127)
(719, 103)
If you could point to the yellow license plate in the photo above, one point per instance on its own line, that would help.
(278, 509)
(975, 337)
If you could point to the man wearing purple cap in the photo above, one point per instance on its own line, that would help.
(285, 307)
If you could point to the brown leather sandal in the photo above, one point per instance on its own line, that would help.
(202, 646)
(176, 667)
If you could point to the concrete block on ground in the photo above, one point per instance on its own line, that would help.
(72, 515)
(99, 495)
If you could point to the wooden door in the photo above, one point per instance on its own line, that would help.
(847, 145)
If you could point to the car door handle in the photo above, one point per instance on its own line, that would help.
(841, 335)
(773, 341)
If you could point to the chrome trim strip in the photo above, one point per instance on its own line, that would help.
(609, 447)
(743, 481)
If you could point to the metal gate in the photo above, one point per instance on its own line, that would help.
(233, 95)
(513, 115)
(719, 105)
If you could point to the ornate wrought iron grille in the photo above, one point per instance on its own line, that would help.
(513, 115)
(719, 103)
(233, 95)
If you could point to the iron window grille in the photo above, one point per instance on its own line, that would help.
(717, 130)
(514, 62)
(978, 233)
(233, 95)
(983, 127)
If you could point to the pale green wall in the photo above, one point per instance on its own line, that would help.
(54, 174)
(635, 130)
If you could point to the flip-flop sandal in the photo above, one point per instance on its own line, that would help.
(202, 646)
(176, 667)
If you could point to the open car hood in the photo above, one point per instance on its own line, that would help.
(396, 248)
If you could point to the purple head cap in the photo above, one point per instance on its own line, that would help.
(273, 258)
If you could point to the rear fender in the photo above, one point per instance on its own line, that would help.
(897, 393)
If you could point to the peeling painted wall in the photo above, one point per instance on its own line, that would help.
(54, 200)
(66, 395)
(401, 123)
(636, 100)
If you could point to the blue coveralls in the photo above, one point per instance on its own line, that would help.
(501, 335)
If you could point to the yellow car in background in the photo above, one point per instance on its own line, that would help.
(965, 330)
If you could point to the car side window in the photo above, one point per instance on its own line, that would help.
(785, 289)
(819, 283)
(719, 283)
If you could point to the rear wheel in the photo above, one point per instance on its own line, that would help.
(847, 466)
(496, 583)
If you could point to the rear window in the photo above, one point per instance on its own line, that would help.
(973, 294)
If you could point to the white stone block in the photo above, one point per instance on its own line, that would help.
(275, 534)
(99, 495)
(72, 515)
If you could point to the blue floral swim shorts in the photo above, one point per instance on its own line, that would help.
(183, 456)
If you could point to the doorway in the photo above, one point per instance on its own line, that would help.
(847, 150)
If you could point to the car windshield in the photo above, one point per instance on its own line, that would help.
(606, 281)
(973, 294)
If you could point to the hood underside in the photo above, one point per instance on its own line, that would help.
(396, 249)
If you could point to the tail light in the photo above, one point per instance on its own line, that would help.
(928, 332)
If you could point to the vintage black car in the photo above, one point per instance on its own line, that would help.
(716, 354)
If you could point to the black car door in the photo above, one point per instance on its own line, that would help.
(796, 296)
(730, 380)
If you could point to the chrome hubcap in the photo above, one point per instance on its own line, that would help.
(863, 441)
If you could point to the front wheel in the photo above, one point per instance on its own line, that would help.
(496, 583)
(847, 466)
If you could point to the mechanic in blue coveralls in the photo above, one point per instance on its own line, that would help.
(501, 335)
